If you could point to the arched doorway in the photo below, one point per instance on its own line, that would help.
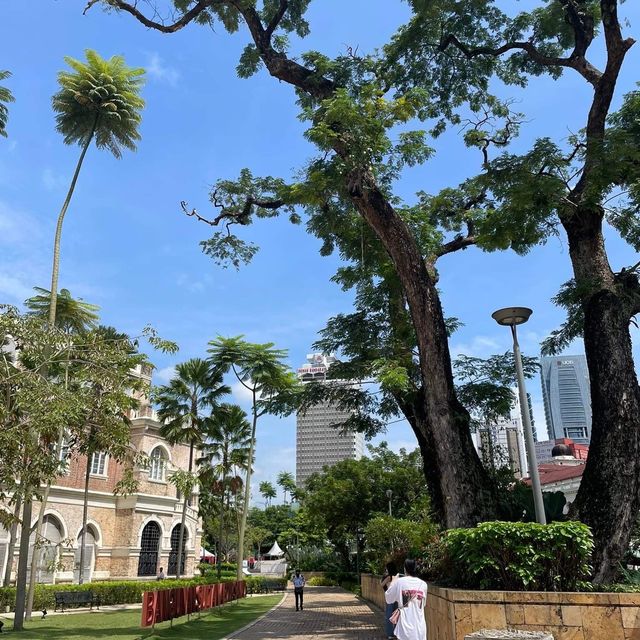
(4, 548)
(149, 543)
(48, 549)
(90, 545)
(173, 556)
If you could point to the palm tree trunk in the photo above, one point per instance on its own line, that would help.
(247, 489)
(12, 544)
(184, 519)
(221, 532)
(85, 510)
(21, 578)
(56, 243)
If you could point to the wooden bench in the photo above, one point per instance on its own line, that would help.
(66, 598)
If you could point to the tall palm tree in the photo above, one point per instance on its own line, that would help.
(267, 491)
(5, 97)
(99, 100)
(286, 483)
(183, 403)
(226, 445)
(72, 315)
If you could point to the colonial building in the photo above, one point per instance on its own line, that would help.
(127, 537)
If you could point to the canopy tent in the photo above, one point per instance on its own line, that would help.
(206, 554)
(275, 551)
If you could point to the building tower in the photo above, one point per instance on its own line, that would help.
(567, 401)
(318, 442)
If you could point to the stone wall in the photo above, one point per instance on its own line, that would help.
(453, 613)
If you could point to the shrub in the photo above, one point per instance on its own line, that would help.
(116, 592)
(321, 581)
(517, 556)
(262, 584)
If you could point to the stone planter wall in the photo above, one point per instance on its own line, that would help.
(453, 613)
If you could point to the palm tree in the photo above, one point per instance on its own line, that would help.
(227, 440)
(287, 483)
(267, 491)
(72, 316)
(182, 403)
(98, 100)
(5, 97)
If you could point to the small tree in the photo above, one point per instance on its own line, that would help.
(268, 492)
(260, 370)
(182, 403)
(287, 483)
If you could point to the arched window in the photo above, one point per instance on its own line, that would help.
(173, 556)
(157, 464)
(148, 560)
(49, 549)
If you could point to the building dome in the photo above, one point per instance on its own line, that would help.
(561, 450)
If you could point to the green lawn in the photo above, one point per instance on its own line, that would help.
(125, 625)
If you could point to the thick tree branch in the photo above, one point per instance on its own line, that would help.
(131, 8)
(574, 61)
(275, 21)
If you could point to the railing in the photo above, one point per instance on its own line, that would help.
(167, 604)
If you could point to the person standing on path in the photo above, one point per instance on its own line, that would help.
(298, 589)
(411, 595)
(390, 574)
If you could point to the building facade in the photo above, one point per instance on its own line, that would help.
(127, 536)
(318, 442)
(566, 395)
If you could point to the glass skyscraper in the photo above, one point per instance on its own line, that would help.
(567, 400)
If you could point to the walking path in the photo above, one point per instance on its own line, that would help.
(329, 613)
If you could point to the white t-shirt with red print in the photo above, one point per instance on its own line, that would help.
(411, 595)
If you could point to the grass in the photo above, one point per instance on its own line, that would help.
(125, 625)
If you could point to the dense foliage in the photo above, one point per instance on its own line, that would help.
(514, 556)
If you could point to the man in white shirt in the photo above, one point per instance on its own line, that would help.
(298, 589)
(411, 595)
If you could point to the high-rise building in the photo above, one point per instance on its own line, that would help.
(318, 442)
(567, 401)
(502, 444)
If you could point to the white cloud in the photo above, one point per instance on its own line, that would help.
(164, 375)
(156, 69)
(480, 346)
(241, 394)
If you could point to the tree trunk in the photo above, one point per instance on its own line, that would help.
(21, 578)
(56, 243)
(609, 496)
(12, 544)
(85, 510)
(247, 490)
(462, 488)
(220, 534)
(183, 520)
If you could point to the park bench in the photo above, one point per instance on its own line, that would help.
(67, 598)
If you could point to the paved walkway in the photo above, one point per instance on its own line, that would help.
(329, 614)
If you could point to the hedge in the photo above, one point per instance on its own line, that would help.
(320, 581)
(116, 592)
(263, 584)
(516, 556)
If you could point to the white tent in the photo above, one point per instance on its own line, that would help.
(206, 554)
(275, 551)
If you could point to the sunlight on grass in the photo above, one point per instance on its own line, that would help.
(125, 625)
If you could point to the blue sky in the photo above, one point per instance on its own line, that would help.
(127, 247)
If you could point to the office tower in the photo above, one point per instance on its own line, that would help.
(567, 401)
(318, 442)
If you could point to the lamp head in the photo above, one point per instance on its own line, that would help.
(512, 316)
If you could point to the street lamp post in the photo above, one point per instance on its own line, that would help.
(512, 317)
(389, 494)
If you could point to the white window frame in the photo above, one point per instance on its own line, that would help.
(99, 464)
(158, 464)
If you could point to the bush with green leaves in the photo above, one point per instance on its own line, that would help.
(116, 592)
(262, 584)
(321, 581)
(516, 556)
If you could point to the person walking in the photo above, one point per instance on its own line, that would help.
(298, 589)
(390, 574)
(410, 594)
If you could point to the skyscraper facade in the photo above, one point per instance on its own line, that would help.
(318, 442)
(567, 401)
